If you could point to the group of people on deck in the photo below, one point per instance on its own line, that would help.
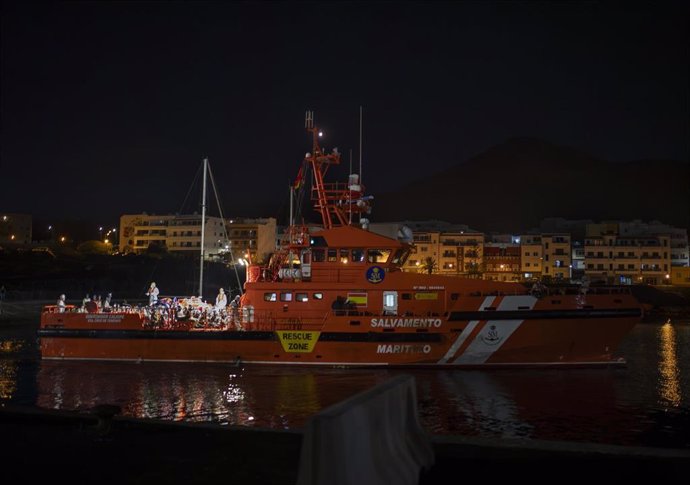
(97, 304)
(88, 304)
(221, 299)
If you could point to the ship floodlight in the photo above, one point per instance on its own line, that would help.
(320, 133)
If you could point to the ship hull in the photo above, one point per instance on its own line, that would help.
(497, 342)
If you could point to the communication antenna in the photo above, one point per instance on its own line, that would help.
(309, 119)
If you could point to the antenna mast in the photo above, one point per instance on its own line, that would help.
(334, 201)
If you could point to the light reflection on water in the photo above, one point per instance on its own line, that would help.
(644, 403)
(669, 382)
(8, 379)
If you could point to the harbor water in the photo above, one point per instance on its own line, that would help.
(645, 403)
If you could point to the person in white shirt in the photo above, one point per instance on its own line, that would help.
(221, 300)
(61, 304)
(152, 294)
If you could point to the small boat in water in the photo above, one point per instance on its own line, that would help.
(336, 295)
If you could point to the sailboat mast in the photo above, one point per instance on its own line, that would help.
(203, 229)
(361, 179)
(292, 191)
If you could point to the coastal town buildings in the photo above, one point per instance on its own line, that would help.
(450, 253)
(253, 239)
(612, 252)
(502, 261)
(545, 256)
(680, 275)
(678, 238)
(241, 238)
(617, 257)
(609, 252)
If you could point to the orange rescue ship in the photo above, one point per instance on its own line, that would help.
(337, 296)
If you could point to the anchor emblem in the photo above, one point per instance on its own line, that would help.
(492, 337)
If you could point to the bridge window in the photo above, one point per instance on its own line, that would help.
(270, 297)
(287, 296)
(378, 255)
(357, 255)
(318, 255)
(318, 296)
(344, 256)
(318, 241)
(332, 255)
(301, 297)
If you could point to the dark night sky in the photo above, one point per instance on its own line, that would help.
(108, 108)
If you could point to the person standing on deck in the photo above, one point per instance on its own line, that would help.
(221, 300)
(61, 304)
(235, 312)
(152, 294)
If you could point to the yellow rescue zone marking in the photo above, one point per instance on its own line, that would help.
(298, 341)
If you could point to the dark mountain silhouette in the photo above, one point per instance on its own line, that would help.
(513, 186)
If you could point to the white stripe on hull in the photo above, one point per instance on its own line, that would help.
(495, 333)
(459, 341)
(465, 332)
